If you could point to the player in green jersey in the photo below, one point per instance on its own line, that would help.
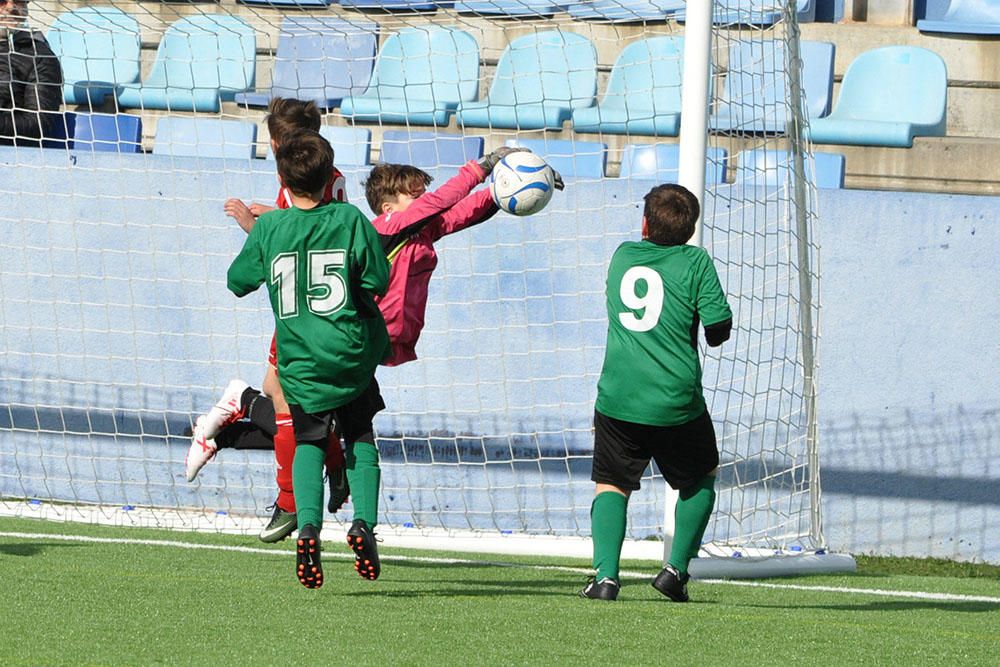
(649, 396)
(324, 265)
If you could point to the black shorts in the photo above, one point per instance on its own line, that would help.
(684, 453)
(353, 419)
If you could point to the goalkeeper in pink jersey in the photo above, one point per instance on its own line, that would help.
(409, 221)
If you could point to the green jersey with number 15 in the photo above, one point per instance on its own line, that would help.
(322, 267)
(656, 297)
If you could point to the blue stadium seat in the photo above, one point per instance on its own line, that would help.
(205, 137)
(829, 11)
(429, 149)
(888, 96)
(754, 93)
(319, 59)
(766, 168)
(202, 61)
(98, 48)
(351, 145)
(964, 17)
(623, 11)
(293, 4)
(643, 95)
(754, 12)
(421, 75)
(661, 162)
(540, 79)
(412, 5)
(572, 159)
(102, 132)
(512, 8)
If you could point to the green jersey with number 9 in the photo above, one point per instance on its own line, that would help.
(656, 297)
(322, 267)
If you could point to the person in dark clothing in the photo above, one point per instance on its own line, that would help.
(30, 79)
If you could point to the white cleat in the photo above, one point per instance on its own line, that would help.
(201, 451)
(228, 410)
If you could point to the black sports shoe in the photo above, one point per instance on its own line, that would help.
(339, 489)
(605, 589)
(281, 525)
(361, 539)
(307, 566)
(672, 583)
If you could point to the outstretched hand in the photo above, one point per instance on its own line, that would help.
(492, 159)
(239, 211)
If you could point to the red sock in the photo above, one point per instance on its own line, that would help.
(284, 456)
(334, 452)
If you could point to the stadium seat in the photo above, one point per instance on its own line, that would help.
(114, 133)
(202, 61)
(829, 11)
(888, 96)
(294, 4)
(964, 17)
(429, 149)
(754, 92)
(766, 168)
(412, 5)
(540, 79)
(205, 137)
(572, 159)
(351, 145)
(754, 12)
(623, 11)
(512, 8)
(98, 48)
(661, 162)
(319, 59)
(643, 95)
(420, 76)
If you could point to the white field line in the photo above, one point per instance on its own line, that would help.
(917, 595)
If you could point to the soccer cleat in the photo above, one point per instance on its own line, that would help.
(605, 589)
(228, 410)
(280, 526)
(339, 489)
(672, 583)
(361, 539)
(201, 451)
(307, 563)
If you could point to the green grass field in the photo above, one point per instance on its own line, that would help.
(104, 598)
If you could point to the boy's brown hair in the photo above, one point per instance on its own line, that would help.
(671, 213)
(388, 181)
(305, 162)
(285, 115)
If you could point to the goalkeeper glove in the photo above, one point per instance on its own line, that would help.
(490, 160)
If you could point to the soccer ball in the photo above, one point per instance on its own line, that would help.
(522, 183)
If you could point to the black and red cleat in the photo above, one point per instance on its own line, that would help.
(307, 564)
(361, 539)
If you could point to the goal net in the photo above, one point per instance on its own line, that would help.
(117, 330)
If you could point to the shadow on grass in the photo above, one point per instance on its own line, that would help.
(32, 548)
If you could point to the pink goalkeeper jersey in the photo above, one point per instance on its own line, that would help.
(450, 208)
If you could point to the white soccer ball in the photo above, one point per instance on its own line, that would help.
(522, 183)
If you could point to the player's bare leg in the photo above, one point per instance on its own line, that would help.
(607, 519)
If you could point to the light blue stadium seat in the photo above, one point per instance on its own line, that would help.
(319, 59)
(754, 91)
(413, 5)
(102, 132)
(351, 145)
(294, 4)
(98, 48)
(888, 96)
(205, 137)
(429, 149)
(540, 79)
(643, 95)
(202, 61)
(572, 159)
(623, 11)
(754, 12)
(661, 162)
(765, 168)
(421, 75)
(512, 8)
(964, 17)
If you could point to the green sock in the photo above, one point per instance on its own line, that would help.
(691, 515)
(607, 526)
(363, 475)
(307, 483)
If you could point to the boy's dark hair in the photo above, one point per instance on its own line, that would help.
(671, 213)
(285, 115)
(387, 181)
(305, 162)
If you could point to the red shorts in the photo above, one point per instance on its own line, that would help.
(272, 356)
